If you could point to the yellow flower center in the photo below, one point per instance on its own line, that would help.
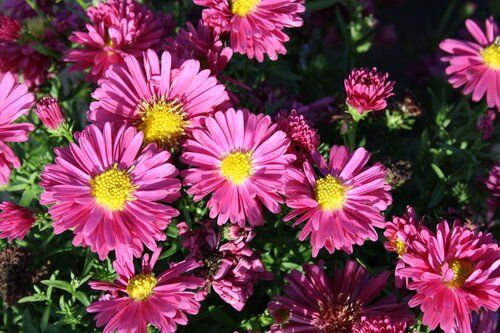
(329, 193)
(399, 246)
(112, 188)
(162, 122)
(237, 166)
(243, 7)
(491, 56)
(462, 269)
(141, 286)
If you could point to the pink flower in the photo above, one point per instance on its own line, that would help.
(138, 299)
(484, 322)
(400, 233)
(15, 101)
(303, 138)
(231, 268)
(49, 112)
(15, 221)
(315, 304)
(492, 183)
(10, 29)
(367, 90)
(341, 206)
(108, 190)
(201, 43)
(476, 65)
(380, 325)
(240, 158)
(255, 26)
(486, 123)
(454, 273)
(118, 28)
(164, 103)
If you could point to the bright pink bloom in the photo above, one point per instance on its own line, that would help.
(10, 29)
(134, 300)
(380, 325)
(201, 43)
(15, 101)
(231, 267)
(255, 26)
(476, 65)
(303, 138)
(343, 205)
(118, 28)
(241, 159)
(367, 90)
(454, 273)
(49, 112)
(486, 123)
(15, 221)
(108, 190)
(164, 103)
(315, 304)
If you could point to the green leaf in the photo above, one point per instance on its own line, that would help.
(80, 295)
(438, 172)
(60, 285)
(45, 317)
(33, 298)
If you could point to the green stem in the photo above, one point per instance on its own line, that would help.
(352, 127)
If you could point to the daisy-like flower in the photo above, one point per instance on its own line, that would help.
(400, 233)
(201, 43)
(484, 322)
(49, 112)
(118, 28)
(476, 64)
(343, 204)
(15, 101)
(454, 273)
(255, 26)
(108, 190)
(367, 90)
(163, 103)
(347, 303)
(231, 268)
(134, 300)
(15, 221)
(241, 159)
(303, 138)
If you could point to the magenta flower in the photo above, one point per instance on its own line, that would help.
(492, 183)
(15, 101)
(109, 191)
(314, 303)
(240, 158)
(484, 322)
(118, 28)
(343, 205)
(163, 103)
(231, 268)
(476, 65)
(15, 221)
(134, 300)
(201, 43)
(10, 29)
(255, 26)
(454, 273)
(49, 112)
(303, 138)
(367, 90)
(486, 124)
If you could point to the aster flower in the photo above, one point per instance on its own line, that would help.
(492, 183)
(118, 28)
(15, 221)
(475, 64)
(138, 299)
(240, 158)
(10, 29)
(255, 26)
(201, 43)
(484, 322)
(316, 304)
(15, 101)
(303, 138)
(367, 90)
(231, 268)
(108, 190)
(486, 123)
(454, 273)
(341, 206)
(49, 112)
(163, 103)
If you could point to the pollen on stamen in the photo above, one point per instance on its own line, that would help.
(112, 188)
(329, 192)
(243, 7)
(237, 166)
(141, 286)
